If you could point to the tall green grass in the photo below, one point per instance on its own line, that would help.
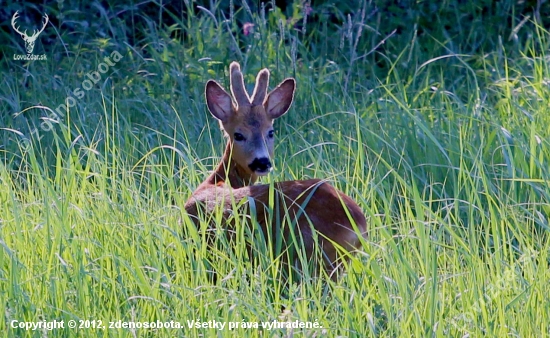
(443, 143)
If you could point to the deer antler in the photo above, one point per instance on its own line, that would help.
(13, 20)
(237, 85)
(43, 26)
(36, 33)
(260, 90)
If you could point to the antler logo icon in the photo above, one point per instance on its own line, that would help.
(29, 40)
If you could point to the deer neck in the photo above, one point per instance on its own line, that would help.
(230, 173)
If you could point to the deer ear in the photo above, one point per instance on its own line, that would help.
(218, 101)
(280, 99)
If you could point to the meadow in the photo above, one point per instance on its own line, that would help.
(434, 118)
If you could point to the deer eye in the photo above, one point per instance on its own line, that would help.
(271, 134)
(238, 137)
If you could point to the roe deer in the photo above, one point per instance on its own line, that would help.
(311, 205)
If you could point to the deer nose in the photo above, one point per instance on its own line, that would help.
(260, 165)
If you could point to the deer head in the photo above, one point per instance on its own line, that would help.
(248, 122)
(29, 40)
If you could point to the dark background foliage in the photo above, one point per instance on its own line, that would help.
(488, 22)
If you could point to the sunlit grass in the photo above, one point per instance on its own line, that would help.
(447, 154)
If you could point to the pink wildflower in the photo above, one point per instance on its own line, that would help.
(248, 28)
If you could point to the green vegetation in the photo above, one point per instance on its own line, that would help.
(435, 119)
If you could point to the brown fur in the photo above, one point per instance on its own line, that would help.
(308, 204)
